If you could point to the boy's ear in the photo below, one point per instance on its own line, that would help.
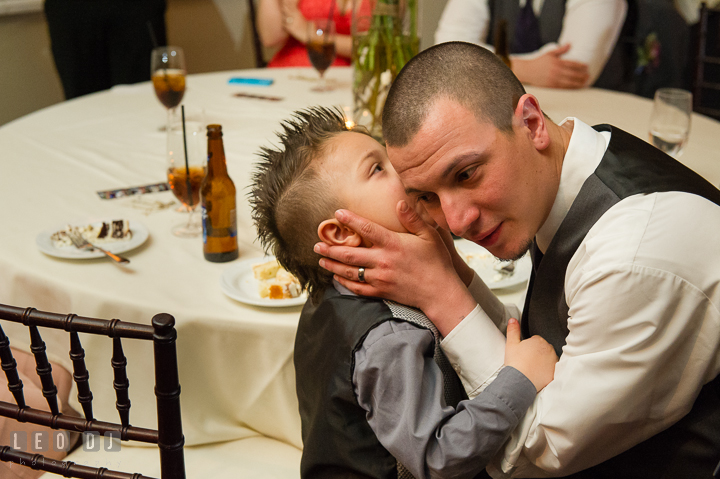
(333, 233)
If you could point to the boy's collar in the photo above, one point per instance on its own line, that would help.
(342, 289)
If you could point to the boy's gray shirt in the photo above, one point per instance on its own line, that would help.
(399, 384)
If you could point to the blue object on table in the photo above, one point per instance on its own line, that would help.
(251, 81)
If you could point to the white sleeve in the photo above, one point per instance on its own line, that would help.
(649, 331)
(644, 337)
(476, 346)
(592, 27)
(498, 311)
(476, 351)
(465, 21)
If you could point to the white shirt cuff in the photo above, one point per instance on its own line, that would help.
(476, 351)
(498, 312)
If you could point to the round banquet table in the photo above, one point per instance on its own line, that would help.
(235, 360)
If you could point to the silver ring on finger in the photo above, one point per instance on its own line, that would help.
(361, 275)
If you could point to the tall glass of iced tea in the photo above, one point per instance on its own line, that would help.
(185, 177)
(167, 67)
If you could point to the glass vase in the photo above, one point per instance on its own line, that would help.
(385, 37)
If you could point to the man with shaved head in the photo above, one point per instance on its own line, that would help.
(626, 270)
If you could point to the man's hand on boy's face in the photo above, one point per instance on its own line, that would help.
(414, 269)
(534, 357)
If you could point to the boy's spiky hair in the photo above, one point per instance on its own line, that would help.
(290, 195)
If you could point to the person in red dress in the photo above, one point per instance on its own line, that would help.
(284, 22)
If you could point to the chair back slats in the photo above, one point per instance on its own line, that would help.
(64, 468)
(81, 375)
(73, 423)
(168, 436)
(44, 370)
(702, 49)
(167, 391)
(121, 383)
(9, 365)
(706, 88)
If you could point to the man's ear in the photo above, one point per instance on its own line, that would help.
(333, 233)
(529, 115)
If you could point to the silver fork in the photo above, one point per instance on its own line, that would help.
(506, 269)
(82, 243)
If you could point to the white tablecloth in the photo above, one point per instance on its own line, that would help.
(235, 360)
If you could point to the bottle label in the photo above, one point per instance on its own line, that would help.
(233, 222)
(205, 224)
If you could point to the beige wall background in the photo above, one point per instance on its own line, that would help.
(215, 35)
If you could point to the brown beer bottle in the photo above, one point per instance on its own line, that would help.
(217, 194)
(501, 42)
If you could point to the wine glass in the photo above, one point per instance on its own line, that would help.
(670, 120)
(186, 168)
(167, 67)
(321, 48)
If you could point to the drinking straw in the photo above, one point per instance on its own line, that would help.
(153, 39)
(187, 166)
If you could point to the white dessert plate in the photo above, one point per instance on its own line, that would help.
(239, 283)
(486, 265)
(140, 234)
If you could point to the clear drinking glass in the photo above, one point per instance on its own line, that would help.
(670, 120)
(184, 177)
(167, 70)
(321, 48)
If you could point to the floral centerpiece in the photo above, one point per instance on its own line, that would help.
(385, 37)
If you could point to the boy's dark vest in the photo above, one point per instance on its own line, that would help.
(337, 439)
(690, 448)
(550, 21)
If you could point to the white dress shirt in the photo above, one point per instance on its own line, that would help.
(690, 9)
(592, 28)
(643, 291)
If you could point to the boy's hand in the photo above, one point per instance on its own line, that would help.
(415, 269)
(534, 357)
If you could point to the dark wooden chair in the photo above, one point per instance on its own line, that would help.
(168, 436)
(706, 90)
(257, 45)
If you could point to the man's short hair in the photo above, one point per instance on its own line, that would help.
(468, 74)
(291, 196)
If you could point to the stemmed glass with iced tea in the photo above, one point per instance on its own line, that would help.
(321, 48)
(186, 168)
(168, 72)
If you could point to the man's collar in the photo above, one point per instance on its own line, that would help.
(584, 153)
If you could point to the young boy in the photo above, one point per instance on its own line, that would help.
(377, 396)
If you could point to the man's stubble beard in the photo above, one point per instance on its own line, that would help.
(521, 251)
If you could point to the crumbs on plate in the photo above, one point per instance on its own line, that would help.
(484, 261)
(275, 282)
(96, 233)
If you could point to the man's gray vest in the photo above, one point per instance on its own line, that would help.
(550, 20)
(691, 448)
